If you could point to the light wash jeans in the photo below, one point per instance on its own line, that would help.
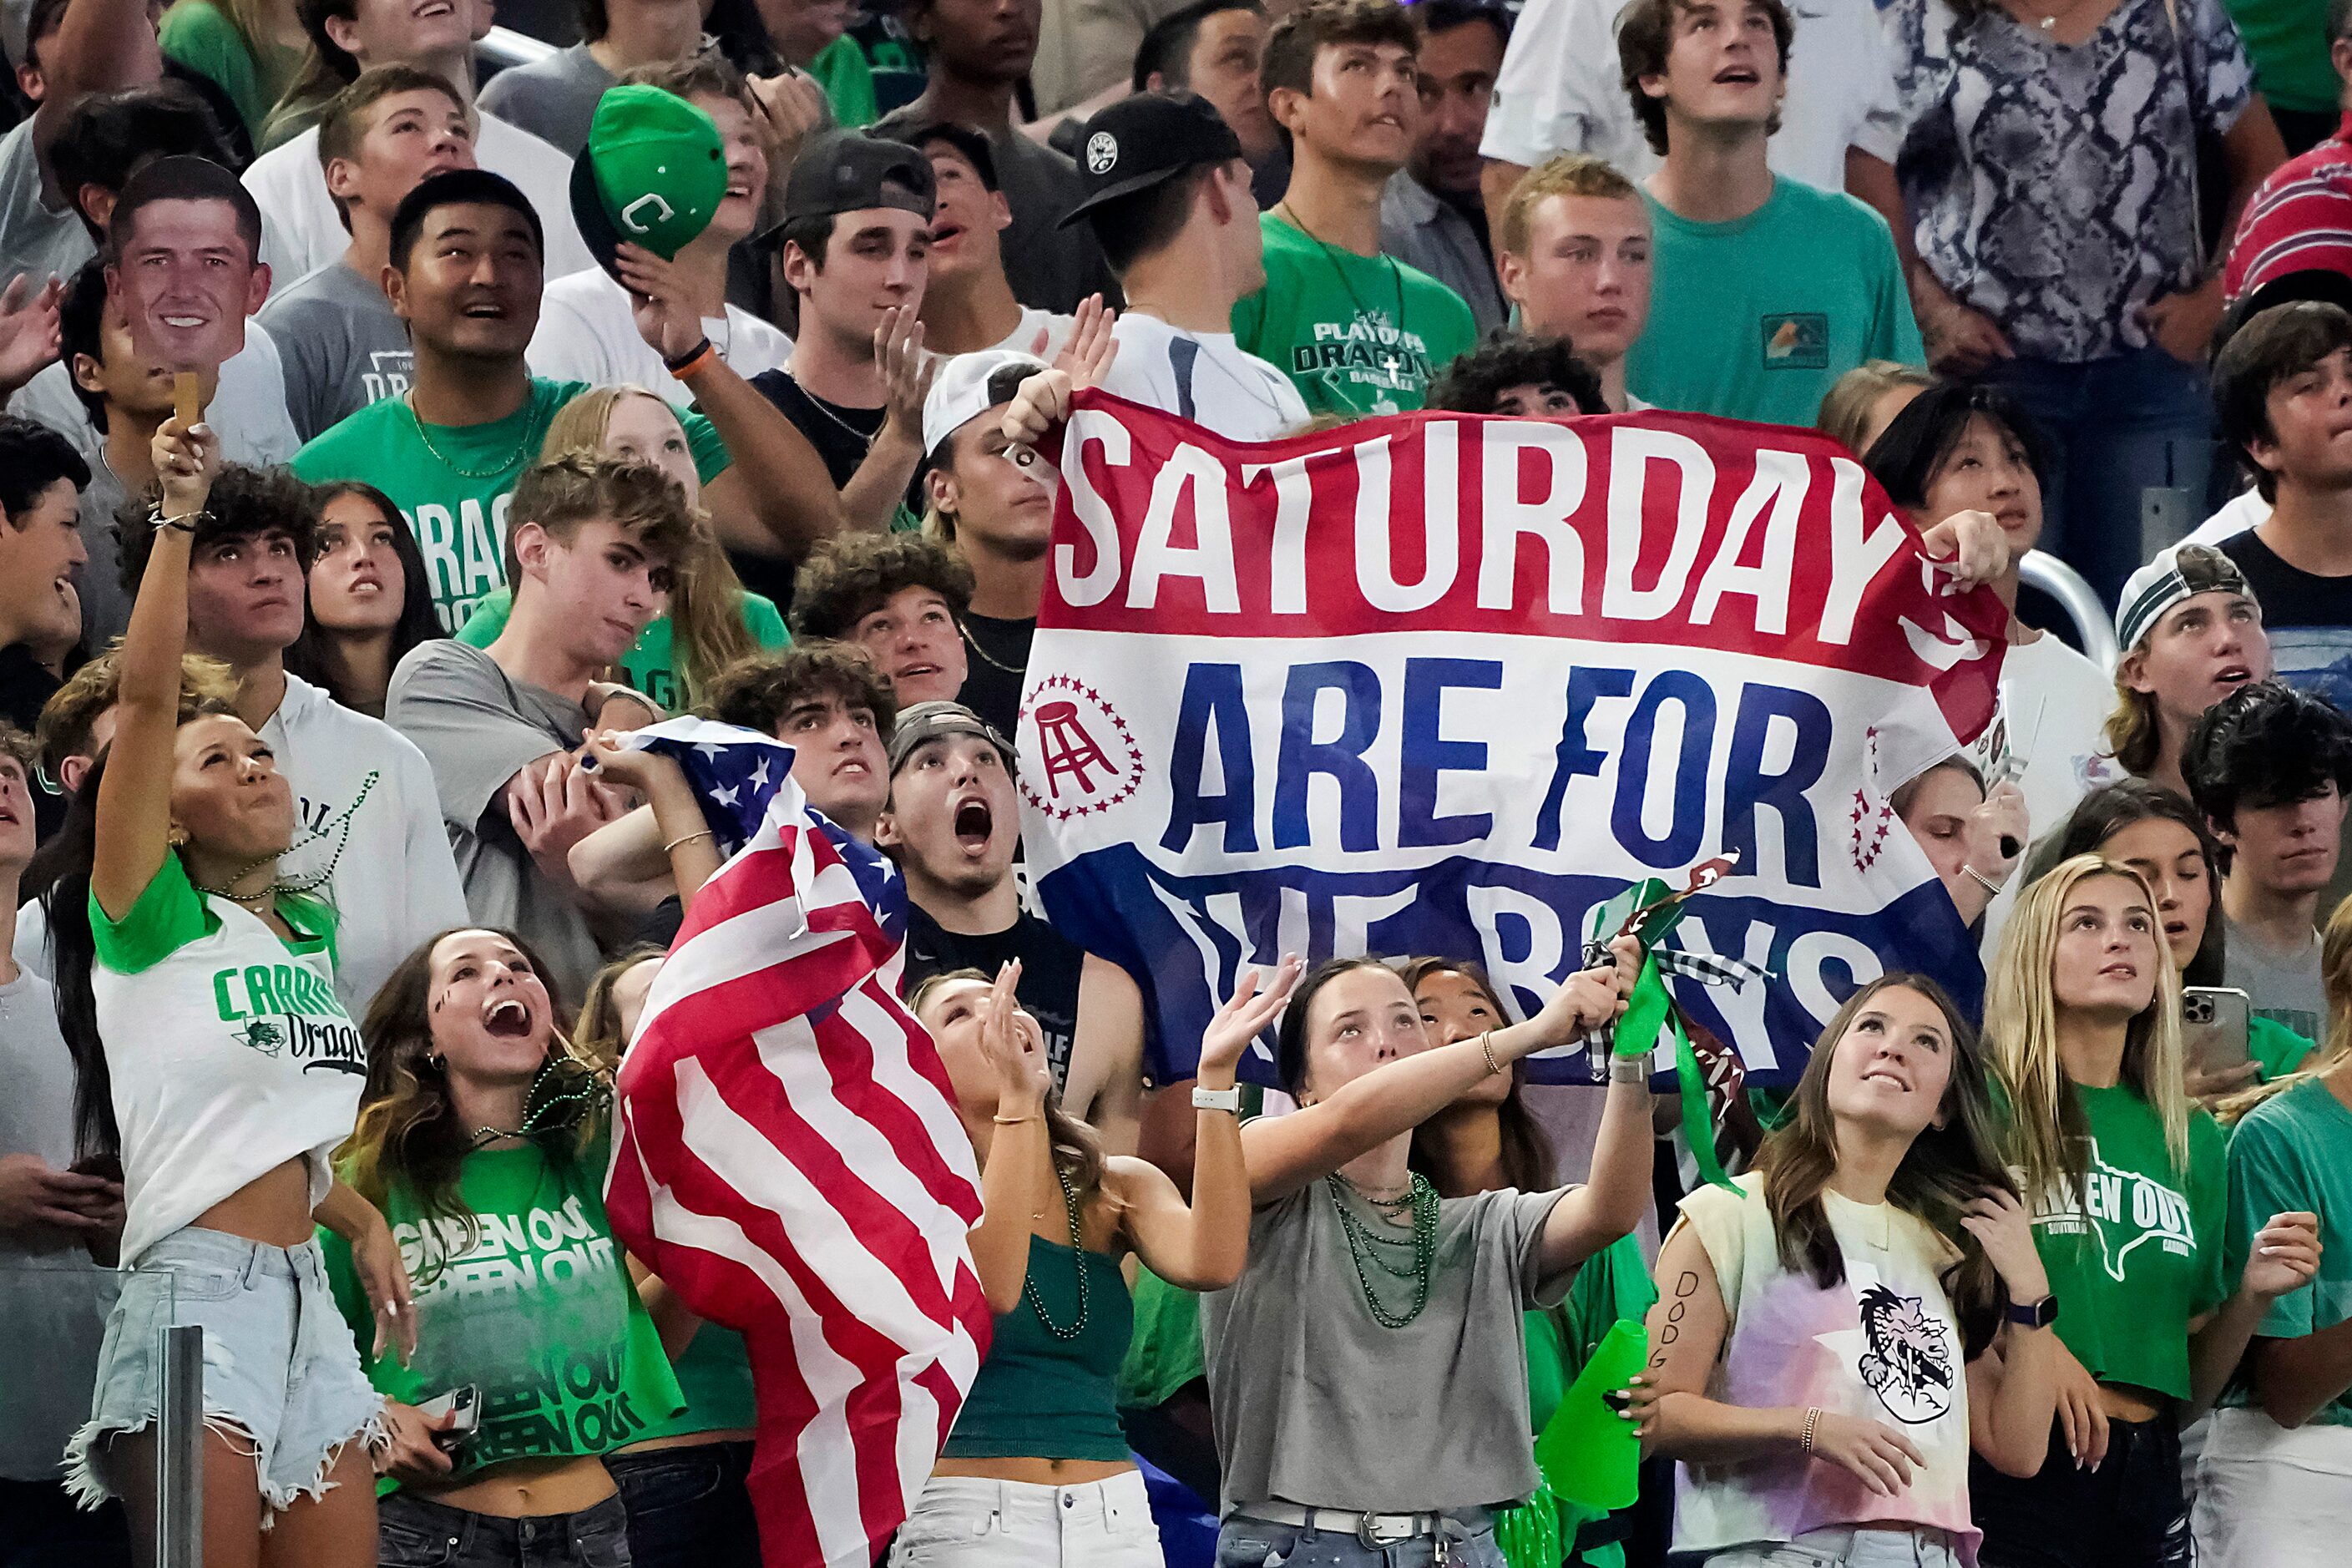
(1247, 1543)
(960, 1522)
(1845, 1547)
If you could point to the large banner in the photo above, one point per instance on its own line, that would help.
(1440, 684)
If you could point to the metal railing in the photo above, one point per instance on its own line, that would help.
(179, 1449)
(2094, 631)
(504, 47)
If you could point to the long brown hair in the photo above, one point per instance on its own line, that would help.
(1946, 1169)
(708, 631)
(1527, 1153)
(409, 1132)
(1077, 1152)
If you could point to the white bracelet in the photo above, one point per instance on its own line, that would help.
(1981, 880)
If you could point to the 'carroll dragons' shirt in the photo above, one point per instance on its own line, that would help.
(228, 1052)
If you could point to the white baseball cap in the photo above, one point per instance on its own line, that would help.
(960, 391)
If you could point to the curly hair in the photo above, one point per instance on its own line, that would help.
(851, 576)
(1506, 359)
(2266, 744)
(757, 692)
(244, 503)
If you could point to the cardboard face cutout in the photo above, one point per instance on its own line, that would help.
(185, 278)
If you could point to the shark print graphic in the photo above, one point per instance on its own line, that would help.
(1908, 1362)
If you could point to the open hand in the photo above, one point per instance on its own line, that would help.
(29, 330)
(907, 369)
(1086, 357)
(1244, 1014)
(1015, 1047)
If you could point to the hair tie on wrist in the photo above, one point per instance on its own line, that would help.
(1981, 880)
(691, 361)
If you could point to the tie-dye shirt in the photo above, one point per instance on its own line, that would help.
(1883, 1345)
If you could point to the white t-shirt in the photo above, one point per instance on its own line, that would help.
(2056, 703)
(229, 1051)
(396, 883)
(306, 232)
(2245, 510)
(586, 334)
(1561, 90)
(1205, 377)
(1023, 339)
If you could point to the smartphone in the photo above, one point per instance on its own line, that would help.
(463, 1406)
(2215, 1021)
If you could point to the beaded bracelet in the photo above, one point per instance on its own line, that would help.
(1812, 1421)
(1487, 1046)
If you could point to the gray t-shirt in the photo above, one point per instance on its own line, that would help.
(1318, 1404)
(553, 98)
(343, 346)
(477, 726)
(2284, 987)
(35, 238)
(53, 1300)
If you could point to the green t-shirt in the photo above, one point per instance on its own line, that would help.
(1770, 308)
(2287, 42)
(2277, 1050)
(2288, 1154)
(2143, 1255)
(453, 482)
(649, 666)
(840, 69)
(1357, 334)
(169, 914)
(1613, 1283)
(200, 36)
(1164, 1352)
(534, 1310)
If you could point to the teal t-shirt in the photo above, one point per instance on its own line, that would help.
(2294, 1152)
(650, 667)
(532, 1305)
(1356, 334)
(453, 482)
(2141, 1253)
(1769, 310)
(714, 1373)
(2276, 1049)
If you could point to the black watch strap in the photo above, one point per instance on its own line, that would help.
(2034, 1314)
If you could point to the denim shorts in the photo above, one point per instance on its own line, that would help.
(282, 1378)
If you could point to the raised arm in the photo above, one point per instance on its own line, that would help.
(1205, 1247)
(670, 826)
(1617, 1195)
(773, 476)
(1105, 1086)
(1286, 1152)
(134, 798)
(1020, 1163)
(1669, 1409)
(871, 498)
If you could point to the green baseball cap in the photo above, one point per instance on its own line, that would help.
(653, 173)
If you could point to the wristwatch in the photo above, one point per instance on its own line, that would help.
(1217, 1099)
(2034, 1314)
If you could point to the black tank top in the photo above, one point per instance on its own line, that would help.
(1051, 964)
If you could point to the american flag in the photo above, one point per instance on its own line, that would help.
(787, 1157)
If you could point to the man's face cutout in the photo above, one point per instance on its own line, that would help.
(185, 278)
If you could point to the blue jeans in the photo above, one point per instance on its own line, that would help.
(411, 1532)
(687, 1505)
(2133, 440)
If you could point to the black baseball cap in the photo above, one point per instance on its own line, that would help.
(965, 141)
(1143, 141)
(937, 720)
(847, 172)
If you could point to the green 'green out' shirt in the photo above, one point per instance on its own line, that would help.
(2290, 1154)
(531, 1306)
(1356, 334)
(2141, 1255)
(453, 482)
(651, 667)
(1770, 308)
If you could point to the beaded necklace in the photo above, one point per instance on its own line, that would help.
(341, 820)
(1078, 1259)
(1367, 1245)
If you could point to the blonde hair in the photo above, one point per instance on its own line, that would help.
(1845, 408)
(2336, 973)
(2048, 1132)
(1569, 175)
(705, 598)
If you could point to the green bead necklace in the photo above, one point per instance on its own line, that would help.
(1367, 1247)
(1078, 1257)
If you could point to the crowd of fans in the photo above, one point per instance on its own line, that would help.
(334, 894)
